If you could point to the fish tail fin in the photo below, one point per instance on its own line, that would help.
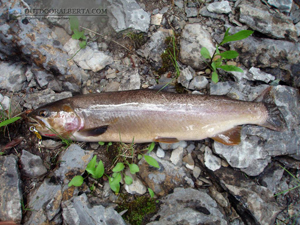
(275, 119)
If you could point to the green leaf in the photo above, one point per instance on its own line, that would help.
(76, 181)
(215, 77)
(101, 143)
(229, 54)
(114, 182)
(140, 157)
(151, 192)
(128, 180)
(231, 68)
(151, 147)
(9, 121)
(119, 167)
(213, 65)
(134, 168)
(91, 166)
(237, 36)
(74, 23)
(205, 53)
(151, 161)
(99, 171)
(77, 34)
(227, 32)
(82, 44)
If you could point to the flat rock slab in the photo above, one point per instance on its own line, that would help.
(10, 190)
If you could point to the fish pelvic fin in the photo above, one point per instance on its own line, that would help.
(168, 140)
(275, 119)
(229, 137)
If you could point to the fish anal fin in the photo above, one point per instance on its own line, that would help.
(96, 131)
(168, 140)
(229, 137)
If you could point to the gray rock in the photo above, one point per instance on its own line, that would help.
(156, 19)
(220, 88)
(257, 16)
(166, 146)
(153, 49)
(43, 97)
(43, 78)
(176, 156)
(256, 200)
(219, 7)
(198, 83)
(164, 179)
(10, 190)
(68, 86)
(73, 159)
(191, 12)
(189, 206)
(188, 161)
(298, 28)
(131, 81)
(282, 5)
(212, 162)
(45, 203)
(186, 75)
(196, 172)
(260, 75)
(193, 38)
(88, 58)
(32, 165)
(127, 14)
(160, 153)
(264, 143)
(78, 211)
(295, 13)
(137, 186)
(204, 12)
(12, 76)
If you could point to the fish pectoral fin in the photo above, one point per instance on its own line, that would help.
(229, 137)
(96, 131)
(168, 140)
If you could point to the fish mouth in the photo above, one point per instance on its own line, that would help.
(36, 122)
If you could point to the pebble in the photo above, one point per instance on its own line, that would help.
(176, 156)
(196, 172)
(32, 165)
(212, 162)
(160, 152)
(189, 161)
(222, 7)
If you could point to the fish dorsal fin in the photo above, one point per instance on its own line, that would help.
(96, 131)
(229, 137)
(168, 140)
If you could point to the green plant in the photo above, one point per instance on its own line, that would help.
(219, 59)
(137, 39)
(96, 170)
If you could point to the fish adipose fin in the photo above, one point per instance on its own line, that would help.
(167, 140)
(94, 131)
(275, 119)
(229, 137)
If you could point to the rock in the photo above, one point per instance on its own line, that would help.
(164, 179)
(10, 190)
(186, 75)
(196, 172)
(160, 153)
(298, 28)
(295, 13)
(166, 146)
(257, 16)
(127, 14)
(131, 81)
(190, 148)
(44, 203)
(282, 5)
(278, 55)
(189, 162)
(204, 12)
(198, 83)
(43, 97)
(137, 186)
(73, 161)
(212, 162)
(193, 38)
(156, 19)
(260, 75)
(256, 200)
(189, 206)
(87, 58)
(220, 88)
(32, 165)
(43, 78)
(78, 211)
(176, 156)
(191, 12)
(12, 76)
(68, 86)
(264, 143)
(153, 49)
(219, 7)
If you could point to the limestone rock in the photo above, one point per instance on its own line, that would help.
(219, 7)
(282, 5)
(32, 165)
(12, 76)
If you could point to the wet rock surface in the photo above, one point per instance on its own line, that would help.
(197, 182)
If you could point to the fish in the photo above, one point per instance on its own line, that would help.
(143, 116)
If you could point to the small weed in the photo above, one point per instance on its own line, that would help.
(218, 58)
(137, 209)
(24, 207)
(137, 39)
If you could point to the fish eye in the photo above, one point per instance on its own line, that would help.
(44, 113)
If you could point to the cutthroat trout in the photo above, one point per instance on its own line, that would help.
(146, 115)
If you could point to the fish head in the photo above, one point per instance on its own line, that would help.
(57, 120)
